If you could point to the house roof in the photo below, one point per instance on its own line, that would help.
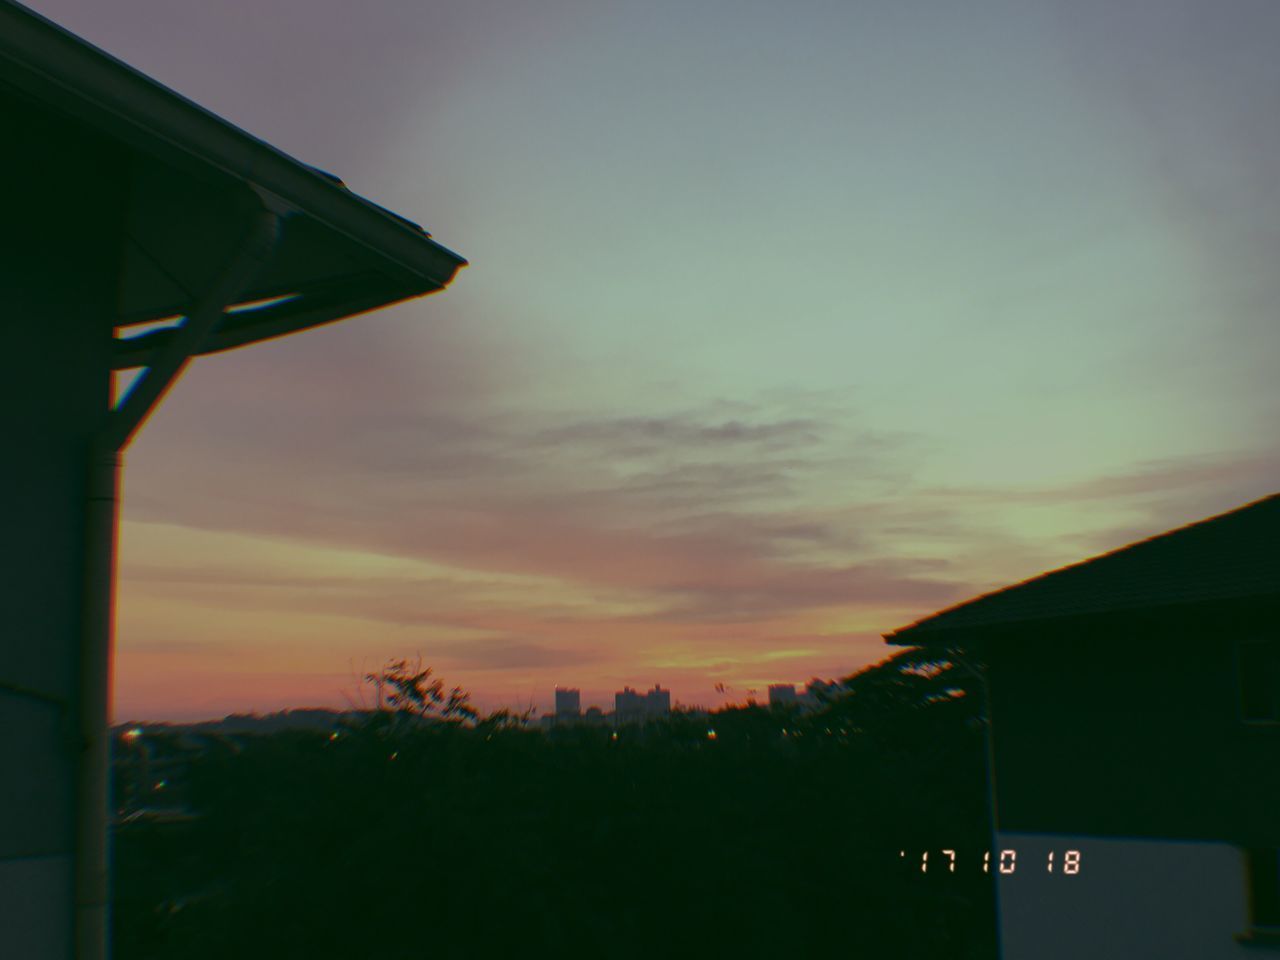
(190, 177)
(1235, 555)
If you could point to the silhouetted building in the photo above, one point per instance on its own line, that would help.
(631, 706)
(782, 695)
(813, 697)
(657, 702)
(628, 706)
(1134, 740)
(568, 703)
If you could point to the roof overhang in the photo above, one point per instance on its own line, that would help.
(1220, 563)
(194, 179)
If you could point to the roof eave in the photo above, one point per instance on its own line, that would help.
(924, 634)
(45, 61)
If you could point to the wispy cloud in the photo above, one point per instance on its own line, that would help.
(708, 397)
(1228, 476)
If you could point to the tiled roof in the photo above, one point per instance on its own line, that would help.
(1234, 555)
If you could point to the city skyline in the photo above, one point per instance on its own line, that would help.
(569, 701)
(783, 328)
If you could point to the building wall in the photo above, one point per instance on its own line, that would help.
(1132, 728)
(1122, 738)
(59, 253)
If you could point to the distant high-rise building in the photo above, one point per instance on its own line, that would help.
(811, 698)
(568, 702)
(657, 702)
(628, 706)
(632, 706)
(782, 695)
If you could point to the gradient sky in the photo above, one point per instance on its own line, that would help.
(786, 324)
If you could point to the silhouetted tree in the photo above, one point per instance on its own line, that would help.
(415, 692)
(320, 843)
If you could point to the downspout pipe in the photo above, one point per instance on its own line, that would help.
(93, 713)
(979, 673)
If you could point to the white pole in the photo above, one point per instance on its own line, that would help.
(92, 866)
(92, 917)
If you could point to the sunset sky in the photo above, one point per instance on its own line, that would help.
(786, 324)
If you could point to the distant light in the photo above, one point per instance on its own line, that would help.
(133, 734)
(334, 735)
(160, 784)
(614, 736)
(394, 755)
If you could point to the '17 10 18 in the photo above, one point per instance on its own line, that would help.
(1006, 861)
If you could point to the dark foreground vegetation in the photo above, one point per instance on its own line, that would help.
(394, 839)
